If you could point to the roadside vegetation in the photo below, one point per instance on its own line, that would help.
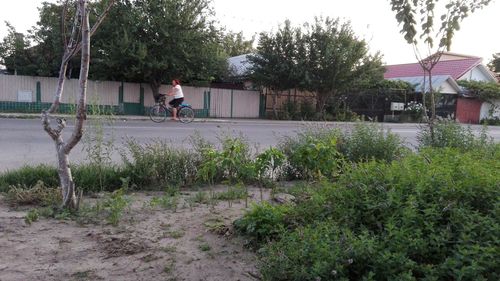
(354, 205)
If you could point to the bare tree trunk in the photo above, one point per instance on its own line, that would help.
(155, 87)
(63, 149)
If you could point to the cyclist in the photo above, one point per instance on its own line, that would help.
(178, 95)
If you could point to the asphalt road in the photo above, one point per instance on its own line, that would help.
(23, 141)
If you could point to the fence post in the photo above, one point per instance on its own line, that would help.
(141, 99)
(38, 92)
(121, 106)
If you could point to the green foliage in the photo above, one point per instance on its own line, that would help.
(334, 60)
(154, 41)
(418, 20)
(157, 164)
(232, 163)
(313, 154)
(112, 206)
(31, 216)
(167, 201)
(369, 141)
(433, 215)
(232, 193)
(494, 64)
(452, 134)
(29, 176)
(486, 91)
(268, 162)
(96, 178)
(234, 44)
(263, 223)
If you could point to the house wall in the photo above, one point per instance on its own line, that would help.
(475, 74)
(468, 110)
(446, 88)
(489, 110)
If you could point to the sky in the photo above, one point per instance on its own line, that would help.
(372, 20)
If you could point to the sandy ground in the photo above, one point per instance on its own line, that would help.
(148, 244)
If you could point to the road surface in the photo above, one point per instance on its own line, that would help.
(23, 141)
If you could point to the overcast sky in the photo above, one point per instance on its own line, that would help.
(372, 20)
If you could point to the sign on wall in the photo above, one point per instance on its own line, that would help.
(24, 96)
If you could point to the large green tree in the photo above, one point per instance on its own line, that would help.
(154, 41)
(336, 61)
(274, 64)
(15, 53)
(234, 44)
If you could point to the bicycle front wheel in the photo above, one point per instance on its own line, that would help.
(157, 113)
(186, 115)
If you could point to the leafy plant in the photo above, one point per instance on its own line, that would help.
(452, 134)
(31, 216)
(370, 141)
(431, 215)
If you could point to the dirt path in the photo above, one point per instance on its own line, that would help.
(149, 244)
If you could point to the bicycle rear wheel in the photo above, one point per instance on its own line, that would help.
(158, 113)
(186, 114)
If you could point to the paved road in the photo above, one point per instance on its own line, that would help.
(23, 141)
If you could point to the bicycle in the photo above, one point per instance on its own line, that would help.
(159, 112)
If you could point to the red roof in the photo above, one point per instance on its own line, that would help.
(454, 68)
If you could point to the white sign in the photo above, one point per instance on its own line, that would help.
(24, 96)
(397, 106)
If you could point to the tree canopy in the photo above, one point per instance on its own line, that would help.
(495, 63)
(324, 57)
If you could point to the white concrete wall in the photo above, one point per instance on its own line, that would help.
(486, 109)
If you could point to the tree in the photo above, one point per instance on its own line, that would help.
(336, 60)
(234, 44)
(274, 65)
(495, 63)
(80, 30)
(419, 29)
(154, 41)
(14, 52)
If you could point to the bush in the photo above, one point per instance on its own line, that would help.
(96, 178)
(29, 176)
(312, 154)
(432, 216)
(232, 163)
(158, 164)
(369, 141)
(263, 223)
(452, 134)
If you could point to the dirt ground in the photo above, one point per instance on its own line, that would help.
(148, 244)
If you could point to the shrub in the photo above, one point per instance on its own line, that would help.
(96, 178)
(311, 154)
(157, 164)
(452, 134)
(432, 216)
(28, 176)
(367, 141)
(263, 223)
(232, 163)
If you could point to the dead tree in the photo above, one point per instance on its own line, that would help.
(79, 41)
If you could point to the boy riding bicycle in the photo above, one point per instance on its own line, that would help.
(178, 95)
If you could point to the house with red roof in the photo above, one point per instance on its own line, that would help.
(445, 74)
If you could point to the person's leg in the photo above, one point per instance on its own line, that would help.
(174, 113)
